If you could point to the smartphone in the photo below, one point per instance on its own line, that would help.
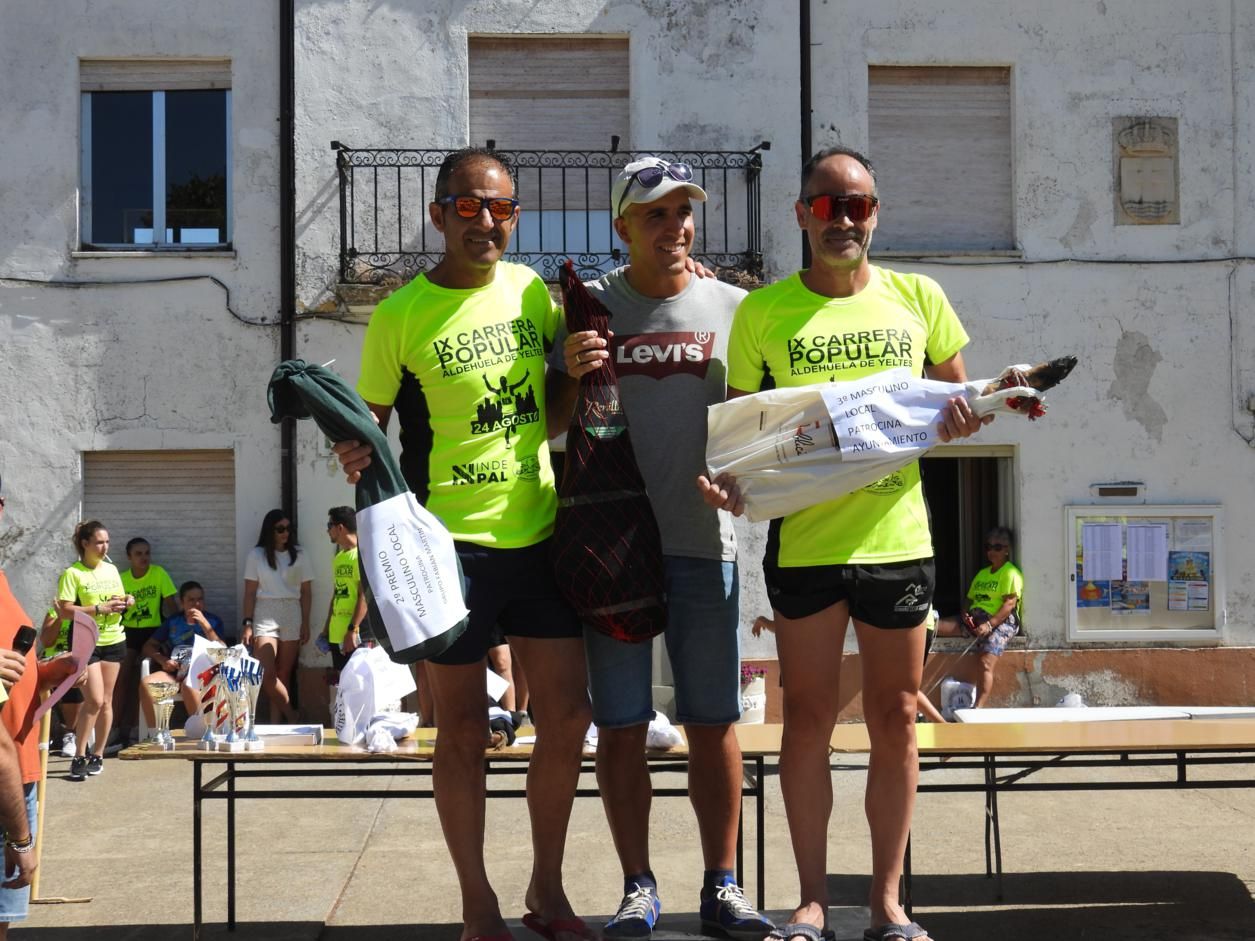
(24, 640)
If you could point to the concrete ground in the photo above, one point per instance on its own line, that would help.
(1144, 865)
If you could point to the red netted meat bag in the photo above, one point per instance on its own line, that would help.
(608, 552)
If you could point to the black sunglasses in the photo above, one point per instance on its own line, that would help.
(651, 176)
(996, 545)
(500, 208)
(857, 207)
(281, 528)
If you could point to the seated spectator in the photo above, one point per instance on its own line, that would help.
(178, 632)
(992, 614)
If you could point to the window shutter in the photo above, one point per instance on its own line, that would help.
(940, 139)
(183, 503)
(153, 74)
(552, 93)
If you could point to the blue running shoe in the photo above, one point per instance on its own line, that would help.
(726, 910)
(637, 914)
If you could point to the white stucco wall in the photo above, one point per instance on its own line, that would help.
(1166, 350)
(134, 366)
(109, 367)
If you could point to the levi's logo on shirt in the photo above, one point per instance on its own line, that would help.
(658, 355)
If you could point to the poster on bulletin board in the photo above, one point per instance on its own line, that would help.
(1144, 573)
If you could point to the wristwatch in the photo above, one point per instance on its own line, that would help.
(248, 622)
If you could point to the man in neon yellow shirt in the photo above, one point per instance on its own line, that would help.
(459, 353)
(993, 609)
(347, 608)
(866, 556)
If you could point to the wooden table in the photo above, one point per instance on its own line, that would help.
(292, 763)
(1008, 754)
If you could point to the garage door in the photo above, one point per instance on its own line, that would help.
(182, 502)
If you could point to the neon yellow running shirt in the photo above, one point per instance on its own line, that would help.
(465, 371)
(803, 338)
(87, 587)
(148, 593)
(989, 589)
(345, 577)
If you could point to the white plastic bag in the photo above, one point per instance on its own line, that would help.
(797, 447)
(369, 683)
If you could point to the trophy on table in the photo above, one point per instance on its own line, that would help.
(164, 693)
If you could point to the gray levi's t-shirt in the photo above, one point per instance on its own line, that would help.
(671, 355)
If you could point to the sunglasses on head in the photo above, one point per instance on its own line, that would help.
(649, 177)
(857, 207)
(996, 545)
(281, 528)
(500, 208)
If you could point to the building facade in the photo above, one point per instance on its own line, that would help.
(1079, 184)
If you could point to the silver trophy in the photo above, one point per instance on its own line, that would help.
(252, 684)
(164, 693)
(237, 708)
(211, 700)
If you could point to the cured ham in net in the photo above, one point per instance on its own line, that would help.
(608, 551)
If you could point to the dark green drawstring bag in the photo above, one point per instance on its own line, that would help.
(408, 562)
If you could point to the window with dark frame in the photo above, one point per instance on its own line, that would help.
(155, 162)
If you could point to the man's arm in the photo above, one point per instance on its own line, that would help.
(722, 493)
(560, 394)
(13, 817)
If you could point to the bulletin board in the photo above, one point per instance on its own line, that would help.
(1144, 573)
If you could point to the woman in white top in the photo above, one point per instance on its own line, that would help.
(276, 599)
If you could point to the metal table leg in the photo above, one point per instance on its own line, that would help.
(196, 850)
(760, 800)
(230, 846)
(993, 797)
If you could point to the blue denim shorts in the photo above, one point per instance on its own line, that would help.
(703, 645)
(15, 903)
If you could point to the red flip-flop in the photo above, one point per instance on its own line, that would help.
(550, 929)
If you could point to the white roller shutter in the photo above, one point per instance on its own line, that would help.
(153, 74)
(940, 139)
(183, 503)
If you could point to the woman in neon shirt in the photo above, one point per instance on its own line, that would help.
(92, 585)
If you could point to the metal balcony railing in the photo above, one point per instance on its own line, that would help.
(386, 235)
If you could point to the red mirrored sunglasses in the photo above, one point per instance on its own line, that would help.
(857, 207)
(468, 207)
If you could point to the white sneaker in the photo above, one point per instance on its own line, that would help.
(67, 745)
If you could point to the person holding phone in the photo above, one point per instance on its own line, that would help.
(93, 586)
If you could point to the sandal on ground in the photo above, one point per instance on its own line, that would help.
(799, 930)
(551, 929)
(907, 932)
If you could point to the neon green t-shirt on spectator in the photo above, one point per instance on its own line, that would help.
(989, 589)
(465, 373)
(62, 643)
(149, 592)
(87, 587)
(345, 587)
(803, 338)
